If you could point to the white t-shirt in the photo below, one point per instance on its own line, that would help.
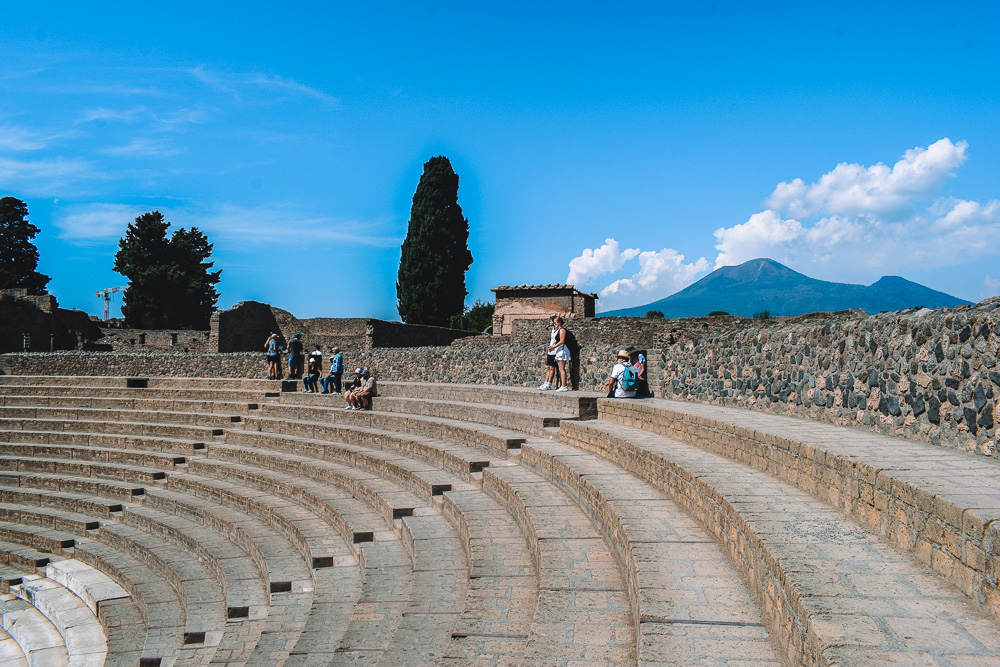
(553, 339)
(616, 373)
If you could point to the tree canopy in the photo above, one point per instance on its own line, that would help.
(18, 255)
(477, 318)
(435, 255)
(170, 282)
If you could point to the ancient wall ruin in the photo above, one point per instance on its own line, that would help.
(930, 376)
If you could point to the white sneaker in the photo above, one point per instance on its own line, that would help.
(563, 388)
(545, 386)
(349, 407)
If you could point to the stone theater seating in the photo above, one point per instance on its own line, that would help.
(170, 521)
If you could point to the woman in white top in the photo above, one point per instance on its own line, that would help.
(558, 348)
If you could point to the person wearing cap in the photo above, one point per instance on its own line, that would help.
(355, 386)
(615, 388)
(311, 381)
(369, 390)
(272, 352)
(295, 349)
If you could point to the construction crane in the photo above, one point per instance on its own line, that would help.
(106, 293)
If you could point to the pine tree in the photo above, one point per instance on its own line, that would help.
(435, 254)
(18, 255)
(170, 285)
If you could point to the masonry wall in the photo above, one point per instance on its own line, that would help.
(246, 326)
(930, 376)
(175, 340)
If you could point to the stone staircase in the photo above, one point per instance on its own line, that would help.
(170, 521)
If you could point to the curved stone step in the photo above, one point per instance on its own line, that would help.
(829, 590)
(583, 607)
(688, 603)
(456, 458)
(10, 652)
(81, 631)
(105, 440)
(125, 457)
(39, 640)
(491, 438)
(424, 478)
(62, 426)
(581, 404)
(503, 582)
(941, 505)
(129, 402)
(119, 415)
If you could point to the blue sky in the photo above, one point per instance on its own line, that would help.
(630, 150)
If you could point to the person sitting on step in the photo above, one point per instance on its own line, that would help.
(311, 380)
(353, 388)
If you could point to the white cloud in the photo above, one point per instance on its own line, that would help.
(279, 224)
(42, 177)
(852, 189)
(660, 274)
(960, 213)
(235, 84)
(991, 287)
(754, 238)
(857, 223)
(592, 263)
(95, 223)
(102, 114)
(19, 139)
(142, 147)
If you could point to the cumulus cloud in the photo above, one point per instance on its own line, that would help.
(660, 274)
(876, 220)
(961, 213)
(593, 263)
(852, 188)
(754, 238)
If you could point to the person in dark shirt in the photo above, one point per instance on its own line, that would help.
(295, 349)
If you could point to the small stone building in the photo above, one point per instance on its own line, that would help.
(538, 302)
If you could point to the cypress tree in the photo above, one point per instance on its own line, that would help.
(435, 253)
(18, 255)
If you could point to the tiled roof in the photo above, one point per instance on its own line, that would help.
(504, 288)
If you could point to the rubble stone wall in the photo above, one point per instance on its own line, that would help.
(929, 376)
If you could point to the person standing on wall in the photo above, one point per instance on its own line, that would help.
(295, 349)
(560, 352)
(550, 357)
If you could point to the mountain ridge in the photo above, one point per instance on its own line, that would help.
(764, 284)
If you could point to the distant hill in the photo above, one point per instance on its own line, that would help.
(763, 284)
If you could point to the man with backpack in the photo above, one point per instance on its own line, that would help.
(623, 381)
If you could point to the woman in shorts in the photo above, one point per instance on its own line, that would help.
(560, 352)
(272, 352)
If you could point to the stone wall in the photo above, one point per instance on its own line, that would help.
(930, 376)
(246, 326)
(176, 340)
(512, 365)
(48, 326)
(926, 375)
